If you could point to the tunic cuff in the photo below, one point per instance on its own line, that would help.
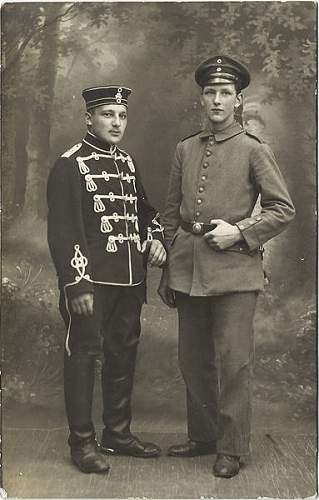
(247, 228)
(73, 291)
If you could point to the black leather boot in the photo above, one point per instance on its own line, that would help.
(134, 448)
(78, 391)
(117, 384)
(85, 453)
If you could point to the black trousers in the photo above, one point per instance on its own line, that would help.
(115, 328)
(216, 349)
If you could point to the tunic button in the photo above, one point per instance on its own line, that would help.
(199, 201)
(208, 153)
(201, 189)
(197, 214)
(204, 177)
(205, 165)
(211, 142)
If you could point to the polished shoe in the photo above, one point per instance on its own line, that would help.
(135, 448)
(86, 455)
(226, 466)
(192, 449)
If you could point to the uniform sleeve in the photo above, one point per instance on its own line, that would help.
(149, 217)
(171, 217)
(277, 207)
(66, 237)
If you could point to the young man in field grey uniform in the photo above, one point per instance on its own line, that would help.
(215, 263)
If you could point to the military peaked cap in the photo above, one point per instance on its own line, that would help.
(111, 94)
(222, 69)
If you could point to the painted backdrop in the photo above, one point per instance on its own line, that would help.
(53, 50)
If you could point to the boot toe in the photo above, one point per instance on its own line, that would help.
(134, 448)
(96, 465)
(226, 466)
(150, 449)
(192, 449)
(88, 458)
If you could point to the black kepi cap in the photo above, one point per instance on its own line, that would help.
(222, 69)
(111, 94)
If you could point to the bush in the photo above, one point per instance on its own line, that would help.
(287, 369)
(31, 335)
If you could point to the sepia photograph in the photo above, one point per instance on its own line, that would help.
(159, 250)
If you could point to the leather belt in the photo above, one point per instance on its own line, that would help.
(198, 228)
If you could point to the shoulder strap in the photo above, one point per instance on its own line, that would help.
(189, 136)
(72, 150)
(256, 137)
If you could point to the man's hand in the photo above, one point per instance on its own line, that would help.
(223, 236)
(156, 253)
(165, 292)
(83, 304)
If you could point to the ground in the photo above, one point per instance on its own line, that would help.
(36, 458)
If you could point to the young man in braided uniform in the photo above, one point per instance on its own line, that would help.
(101, 232)
(215, 266)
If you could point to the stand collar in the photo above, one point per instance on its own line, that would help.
(97, 143)
(230, 131)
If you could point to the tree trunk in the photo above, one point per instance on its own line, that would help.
(8, 157)
(8, 136)
(21, 140)
(295, 269)
(40, 125)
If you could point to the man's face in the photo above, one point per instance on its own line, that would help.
(219, 102)
(107, 122)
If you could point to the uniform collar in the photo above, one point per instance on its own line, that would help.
(98, 144)
(230, 131)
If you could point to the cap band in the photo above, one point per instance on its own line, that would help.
(112, 94)
(220, 78)
(105, 100)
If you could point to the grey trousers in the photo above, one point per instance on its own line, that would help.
(216, 350)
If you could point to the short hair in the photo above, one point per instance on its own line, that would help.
(91, 110)
(238, 87)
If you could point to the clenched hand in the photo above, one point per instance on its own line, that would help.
(223, 236)
(156, 254)
(83, 304)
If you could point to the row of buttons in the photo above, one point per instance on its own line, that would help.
(201, 189)
(205, 165)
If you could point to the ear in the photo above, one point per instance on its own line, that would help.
(239, 100)
(88, 120)
(201, 100)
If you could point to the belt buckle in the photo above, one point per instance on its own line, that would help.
(197, 227)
